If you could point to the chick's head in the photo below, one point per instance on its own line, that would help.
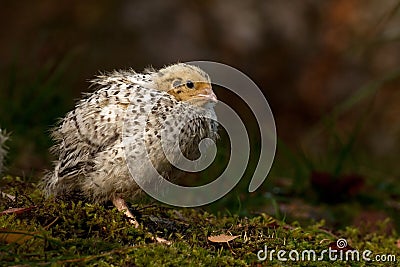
(186, 83)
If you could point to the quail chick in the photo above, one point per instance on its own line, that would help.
(92, 157)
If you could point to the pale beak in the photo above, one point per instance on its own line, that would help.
(208, 95)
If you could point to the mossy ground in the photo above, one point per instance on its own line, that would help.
(73, 233)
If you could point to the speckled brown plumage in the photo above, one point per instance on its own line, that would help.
(92, 157)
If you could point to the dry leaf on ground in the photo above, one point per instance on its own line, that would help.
(222, 238)
(15, 236)
(16, 210)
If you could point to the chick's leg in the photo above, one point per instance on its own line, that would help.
(120, 204)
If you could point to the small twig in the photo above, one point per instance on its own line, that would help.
(53, 222)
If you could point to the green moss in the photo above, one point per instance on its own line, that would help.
(76, 233)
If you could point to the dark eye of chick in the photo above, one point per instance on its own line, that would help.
(190, 84)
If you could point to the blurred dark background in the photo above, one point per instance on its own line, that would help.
(329, 69)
